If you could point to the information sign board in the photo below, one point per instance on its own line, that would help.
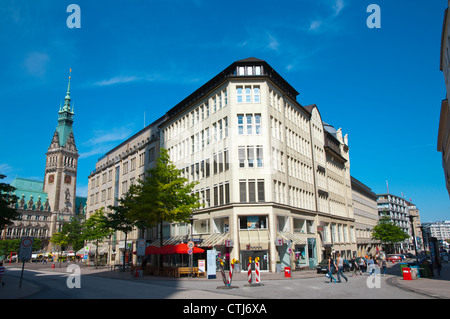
(26, 248)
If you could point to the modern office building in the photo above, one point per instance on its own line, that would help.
(443, 141)
(440, 230)
(365, 211)
(273, 177)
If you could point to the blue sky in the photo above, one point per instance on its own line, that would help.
(382, 86)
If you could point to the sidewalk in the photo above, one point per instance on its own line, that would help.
(436, 287)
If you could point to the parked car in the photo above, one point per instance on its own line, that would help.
(409, 255)
(322, 267)
(394, 258)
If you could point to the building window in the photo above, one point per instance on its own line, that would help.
(253, 189)
(247, 156)
(248, 94)
(253, 222)
(241, 124)
(239, 94)
(256, 94)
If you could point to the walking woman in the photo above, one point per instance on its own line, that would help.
(331, 267)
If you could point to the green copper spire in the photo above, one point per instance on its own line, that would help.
(65, 118)
(67, 98)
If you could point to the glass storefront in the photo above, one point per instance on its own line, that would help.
(263, 259)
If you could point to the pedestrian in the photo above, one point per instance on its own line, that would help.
(355, 266)
(437, 265)
(340, 266)
(384, 265)
(362, 265)
(331, 267)
(371, 266)
(2, 272)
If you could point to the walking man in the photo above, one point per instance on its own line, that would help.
(340, 265)
(355, 266)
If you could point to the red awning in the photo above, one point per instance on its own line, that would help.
(171, 249)
(151, 250)
(183, 249)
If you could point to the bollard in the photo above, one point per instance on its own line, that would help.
(223, 272)
(231, 272)
(257, 273)
(249, 270)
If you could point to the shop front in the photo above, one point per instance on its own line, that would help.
(292, 250)
(254, 241)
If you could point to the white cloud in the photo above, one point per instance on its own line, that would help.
(338, 6)
(114, 135)
(103, 141)
(5, 169)
(118, 80)
(315, 24)
(36, 63)
(273, 42)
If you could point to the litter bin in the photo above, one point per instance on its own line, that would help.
(287, 272)
(414, 272)
(425, 269)
(416, 269)
(406, 271)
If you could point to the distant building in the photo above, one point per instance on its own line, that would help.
(440, 230)
(443, 141)
(405, 215)
(366, 218)
(45, 205)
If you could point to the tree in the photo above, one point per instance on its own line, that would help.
(387, 232)
(96, 229)
(164, 196)
(71, 234)
(118, 219)
(7, 214)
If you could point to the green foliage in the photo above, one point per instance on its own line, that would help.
(164, 196)
(7, 214)
(96, 227)
(387, 232)
(71, 234)
(13, 245)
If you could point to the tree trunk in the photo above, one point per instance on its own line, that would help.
(161, 241)
(125, 251)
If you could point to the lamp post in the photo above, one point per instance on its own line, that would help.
(411, 219)
(191, 261)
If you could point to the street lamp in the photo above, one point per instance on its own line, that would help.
(191, 256)
(411, 219)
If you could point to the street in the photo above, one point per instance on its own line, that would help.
(52, 284)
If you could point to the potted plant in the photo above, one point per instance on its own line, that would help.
(237, 266)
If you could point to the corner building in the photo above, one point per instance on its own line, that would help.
(273, 178)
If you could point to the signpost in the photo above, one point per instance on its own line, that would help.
(211, 264)
(190, 245)
(26, 248)
(140, 251)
